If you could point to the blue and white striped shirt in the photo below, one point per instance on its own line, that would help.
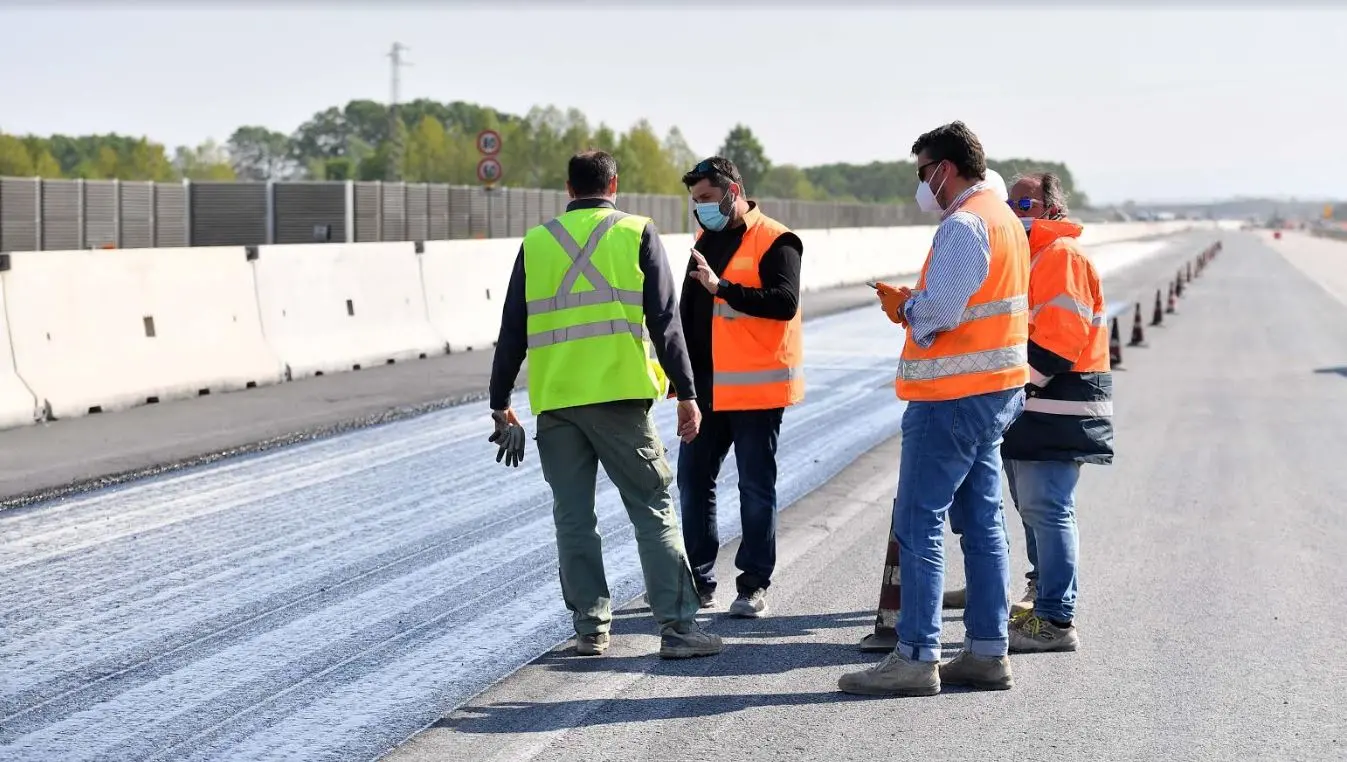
(960, 260)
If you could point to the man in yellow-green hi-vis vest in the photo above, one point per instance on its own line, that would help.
(591, 295)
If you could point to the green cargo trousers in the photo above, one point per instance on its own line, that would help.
(572, 442)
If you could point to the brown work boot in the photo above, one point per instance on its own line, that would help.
(896, 675)
(956, 599)
(988, 673)
(688, 640)
(593, 644)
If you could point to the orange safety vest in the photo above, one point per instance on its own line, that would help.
(757, 363)
(1066, 299)
(987, 351)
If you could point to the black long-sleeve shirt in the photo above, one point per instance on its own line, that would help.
(778, 299)
(661, 313)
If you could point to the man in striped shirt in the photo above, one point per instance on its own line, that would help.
(962, 373)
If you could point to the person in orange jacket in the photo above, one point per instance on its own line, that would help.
(962, 374)
(1067, 418)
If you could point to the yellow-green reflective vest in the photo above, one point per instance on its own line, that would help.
(586, 325)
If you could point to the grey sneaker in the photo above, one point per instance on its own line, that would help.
(708, 600)
(896, 675)
(750, 606)
(988, 673)
(593, 644)
(1026, 604)
(1033, 634)
(687, 641)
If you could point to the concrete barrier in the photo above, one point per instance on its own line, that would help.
(465, 284)
(18, 406)
(338, 307)
(104, 330)
(96, 331)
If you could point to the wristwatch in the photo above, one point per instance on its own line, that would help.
(722, 283)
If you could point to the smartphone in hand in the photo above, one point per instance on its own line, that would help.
(872, 284)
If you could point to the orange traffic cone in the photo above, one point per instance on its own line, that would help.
(1159, 316)
(1115, 345)
(1138, 336)
(1170, 308)
(885, 636)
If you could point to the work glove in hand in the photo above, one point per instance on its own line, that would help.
(509, 436)
(892, 300)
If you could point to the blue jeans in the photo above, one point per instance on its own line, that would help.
(951, 463)
(1044, 492)
(753, 434)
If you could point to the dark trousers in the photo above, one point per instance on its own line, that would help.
(753, 434)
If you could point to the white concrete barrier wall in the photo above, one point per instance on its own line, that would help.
(465, 284)
(110, 330)
(18, 406)
(80, 323)
(337, 307)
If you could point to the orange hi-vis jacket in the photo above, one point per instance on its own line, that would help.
(986, 351)
(1069, 409)
(757, 363)
(1066, 299)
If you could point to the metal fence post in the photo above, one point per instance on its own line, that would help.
(271, 212)
(379, 210)
(187, 210)
(37, 206)
(116, 214)
(154, 214)
(350, 211)
(80, 239)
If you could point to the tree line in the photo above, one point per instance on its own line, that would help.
(427, 141)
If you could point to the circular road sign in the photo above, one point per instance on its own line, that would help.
(488, 170)
(488, 142)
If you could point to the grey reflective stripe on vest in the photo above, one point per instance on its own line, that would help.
(585, 331)
(1009, 306)
(958, 365)
(1087, 408)
(724, 310)
(1066, 302)
(754, 377)
(603, 293)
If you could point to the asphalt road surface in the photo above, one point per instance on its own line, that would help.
(328, 599)
(1212, 599)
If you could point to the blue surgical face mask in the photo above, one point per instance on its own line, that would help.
(710, 216)
(715, 215)
(1028, 223)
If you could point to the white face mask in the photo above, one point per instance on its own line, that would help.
(926, 200)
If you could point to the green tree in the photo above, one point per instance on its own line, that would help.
(258, 153)
(642, 164)
(604, 139)
(787, 181)
(15, 161)
(742, 147)
(207, 161)
(679, 152)
(427, 159)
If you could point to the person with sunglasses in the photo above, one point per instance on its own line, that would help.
(1067, 419)
(962, 372)
(740, 309)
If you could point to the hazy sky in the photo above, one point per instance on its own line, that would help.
(1142, 104)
